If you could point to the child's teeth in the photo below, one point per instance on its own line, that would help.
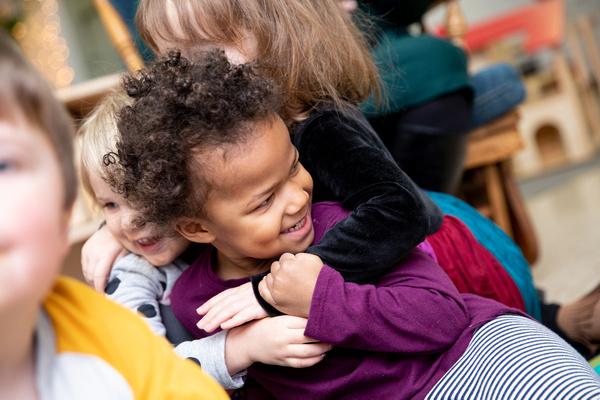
(296, 227)
(144, 241)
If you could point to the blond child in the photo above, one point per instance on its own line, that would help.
(61, 340)
(135, 281)
(143, 277)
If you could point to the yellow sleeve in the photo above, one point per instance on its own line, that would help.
(88, 323)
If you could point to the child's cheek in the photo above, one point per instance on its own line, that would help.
(33, 238)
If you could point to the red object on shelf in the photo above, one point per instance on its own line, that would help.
(542, 25)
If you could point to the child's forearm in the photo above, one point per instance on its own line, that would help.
(136, 284)
(378, 234)
(237, 358)
(414, 310)
(212, 355)
(389, 214)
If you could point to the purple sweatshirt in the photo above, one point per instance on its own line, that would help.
(394, 339)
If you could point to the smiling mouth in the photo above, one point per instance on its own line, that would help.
(299, 225)
(146, 242)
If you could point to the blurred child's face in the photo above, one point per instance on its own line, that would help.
(33, 218)
(243, 53)
(259, 204)
(158, 246)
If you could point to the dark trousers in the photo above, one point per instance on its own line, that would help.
(429, 141)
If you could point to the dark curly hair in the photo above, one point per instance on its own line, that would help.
(182, 108)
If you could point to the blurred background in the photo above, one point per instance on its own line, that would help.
(534, 170)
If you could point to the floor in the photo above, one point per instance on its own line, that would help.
(565, 209)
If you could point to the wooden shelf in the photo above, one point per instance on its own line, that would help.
(81, 98)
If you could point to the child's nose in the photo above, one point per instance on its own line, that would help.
(298, 199)
(128, 221)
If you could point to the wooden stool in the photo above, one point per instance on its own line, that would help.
(489, 184)
(119, 35)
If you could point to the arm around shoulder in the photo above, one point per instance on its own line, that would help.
(389, 215)
(414, 309)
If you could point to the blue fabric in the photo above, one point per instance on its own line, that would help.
(498, 89)
(498, 243)
(595, 364)
(127, 9)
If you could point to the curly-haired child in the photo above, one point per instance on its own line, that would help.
(219, 165)
(321, 62)
(59, 339)
(155, 257)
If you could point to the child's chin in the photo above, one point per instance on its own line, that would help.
(305, 244)
(160, 261)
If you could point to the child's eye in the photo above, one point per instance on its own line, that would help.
(6, 165)
(109, 205)
(295, 168)
(265, 203)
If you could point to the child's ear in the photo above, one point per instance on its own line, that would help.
(194, 231)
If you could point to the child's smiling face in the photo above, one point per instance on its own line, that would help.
(157, 246)
(259, 203)
(33, 218)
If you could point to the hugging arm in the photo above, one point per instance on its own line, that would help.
(98, 255)
(414, 309)
(138, 285)
(389, 214)
(209, 353)
(289, 287)
(276, 341)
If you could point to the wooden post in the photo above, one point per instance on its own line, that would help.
(456, 23)
(119, 35)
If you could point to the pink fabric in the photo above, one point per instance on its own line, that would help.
(426, 248)
(471, 267)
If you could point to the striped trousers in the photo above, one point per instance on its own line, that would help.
(513, 357)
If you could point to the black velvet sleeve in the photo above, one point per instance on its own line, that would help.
(389, 215)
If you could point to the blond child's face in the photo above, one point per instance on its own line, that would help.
(259, 203)
(33, 218)
(158, 246)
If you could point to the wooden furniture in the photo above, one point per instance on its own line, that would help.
(488, 182)
(81, 98)
(119, 35)
(585, 53)
(456, 23)
(552, 122)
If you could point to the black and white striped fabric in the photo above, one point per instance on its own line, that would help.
(513, 357)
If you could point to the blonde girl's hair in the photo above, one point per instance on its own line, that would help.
(311, 48)
(98, 136)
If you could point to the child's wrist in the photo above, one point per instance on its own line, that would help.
(237, 356)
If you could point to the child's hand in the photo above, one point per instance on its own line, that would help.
(275, 341)
(230, 308)
(290, 285)
(98, 254)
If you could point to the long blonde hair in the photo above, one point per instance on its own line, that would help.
(311, 48)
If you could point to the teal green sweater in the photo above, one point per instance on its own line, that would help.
(413, 69)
